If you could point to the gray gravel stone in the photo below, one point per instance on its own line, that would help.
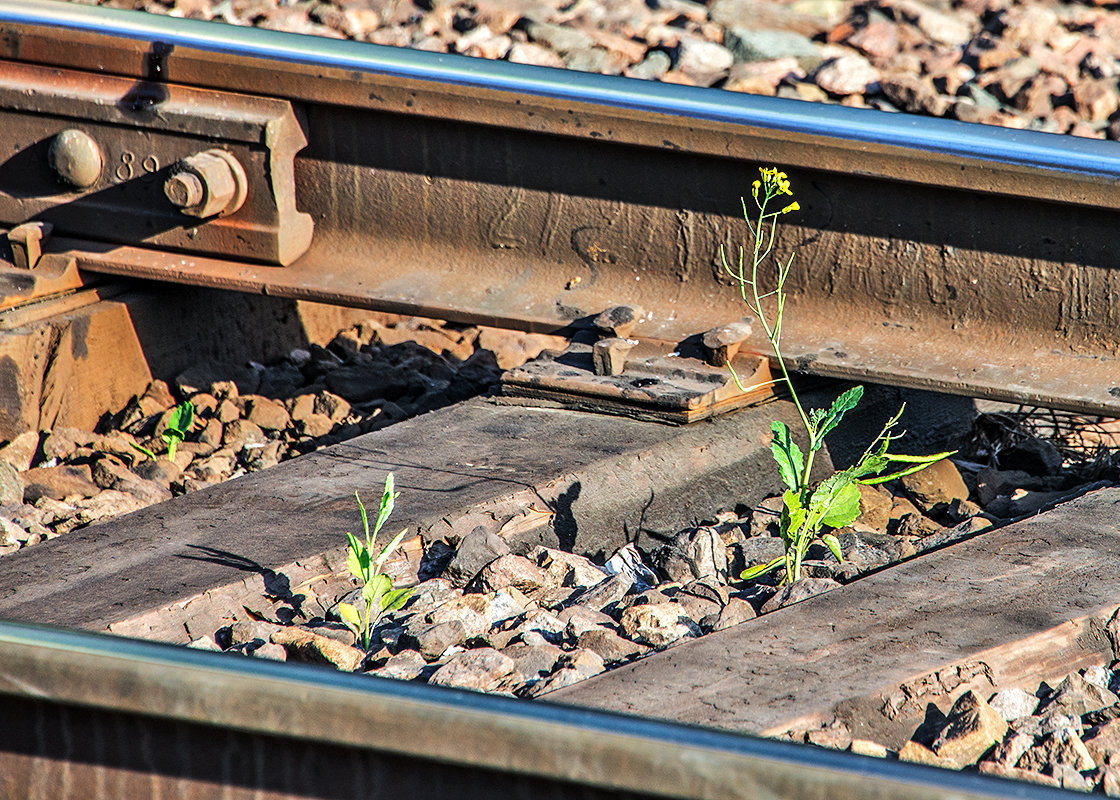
(747, 44)
(560, 38)
(548, 625)
(1062, 747)
(557, 680)
(567, 569)
(734, 613)
(1075, 696)
(798, 591)
(405, 666)
(693, 555)
(431, 641)
(609, 590)
(652, 67)
(587, 662)
(1098, 675)
(511, 570)
(658, 625)
(1013, 703)
(477, 549)
(611, 647)
(578, 619)
(11, 487)
(20, 451)
(58, 483)
(703, 60)
(481, 670)
(534, 660)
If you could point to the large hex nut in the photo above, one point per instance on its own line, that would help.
(208, 184)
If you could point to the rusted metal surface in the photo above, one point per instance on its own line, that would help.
(92, 154)
(930, 253)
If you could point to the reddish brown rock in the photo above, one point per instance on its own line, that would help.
(878, 40)
(973, 728)
(935, 486)
(303, 645)
(482, 670)
(58, 483)
(850, 74)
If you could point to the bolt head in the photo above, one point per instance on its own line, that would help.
(76, 158)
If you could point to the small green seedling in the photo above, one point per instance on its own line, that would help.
(834, 502)
(178, 426)
(377, 587)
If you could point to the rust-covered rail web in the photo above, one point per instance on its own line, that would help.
(930, 253)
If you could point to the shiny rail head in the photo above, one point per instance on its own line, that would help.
(570, 746)
(1075, 156)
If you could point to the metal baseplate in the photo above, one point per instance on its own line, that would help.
(674, 383)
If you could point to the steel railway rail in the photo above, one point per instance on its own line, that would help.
(930, 253)
(94, 716)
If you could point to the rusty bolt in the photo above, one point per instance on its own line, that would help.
(75, 158)
(207, 184)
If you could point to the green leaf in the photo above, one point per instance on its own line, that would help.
(365, 518)
(357, 558)
(142, 450)
(388, 497)
(378, 586)
(925, 460)
(180, 421)
(178, 426)
(395, 600)
(350, 616)
(389, 548)
(835, 502)
(840, 406)
(760, 569)
(833, 544)
(870, 464)
(793, 517)
(791, 461)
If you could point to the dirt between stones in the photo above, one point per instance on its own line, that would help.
(1048, 66)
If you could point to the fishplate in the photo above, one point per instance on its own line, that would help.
(150, 164)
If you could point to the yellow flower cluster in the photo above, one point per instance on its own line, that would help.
(774, 183)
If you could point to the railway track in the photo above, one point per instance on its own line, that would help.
(440, 185)
(935, 255)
